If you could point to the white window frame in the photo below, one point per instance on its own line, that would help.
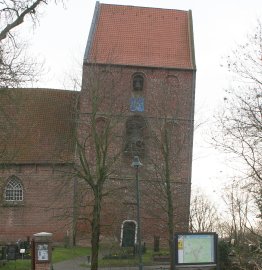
(14, 191)
(122, 230)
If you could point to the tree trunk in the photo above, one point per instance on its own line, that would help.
(170, 226)
(96, 229)
(170, 208)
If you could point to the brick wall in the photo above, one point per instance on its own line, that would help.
(46, 206)
(48, 190)
(168, 94)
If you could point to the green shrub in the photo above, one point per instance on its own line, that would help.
(223, 254)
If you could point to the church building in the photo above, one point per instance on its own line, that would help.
(136, 101)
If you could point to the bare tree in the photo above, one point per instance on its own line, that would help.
(98, 141)
(238, 208)
(239, 135)
(13, 13)
(16, 66)
(239, 226)
(170, 133)
(203, 213)
(239, 125)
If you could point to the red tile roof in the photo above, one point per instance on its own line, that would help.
(36, 126)
(153, 37)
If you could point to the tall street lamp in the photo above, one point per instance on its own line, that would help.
(136, 164)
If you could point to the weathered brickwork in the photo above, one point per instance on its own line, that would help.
(178, 107)
(46, 205)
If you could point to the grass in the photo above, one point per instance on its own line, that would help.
(17, 265)
(147, 257)
(59, 254)
(62, 254)
(147, 260)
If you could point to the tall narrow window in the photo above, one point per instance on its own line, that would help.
(14, 190)
(135, 133)
(128, 233)
(138, 82)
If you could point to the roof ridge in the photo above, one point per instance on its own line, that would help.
(182, 10)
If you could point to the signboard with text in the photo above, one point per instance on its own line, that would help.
(42, 250)
(196, 249)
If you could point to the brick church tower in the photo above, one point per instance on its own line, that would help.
(137, 100)
(139, 73)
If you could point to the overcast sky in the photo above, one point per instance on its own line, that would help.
(61, 37)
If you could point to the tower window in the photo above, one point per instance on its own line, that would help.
(138, 82)
(14, 190)
(173, 81)
(135, 132)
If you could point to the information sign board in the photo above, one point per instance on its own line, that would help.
(42, 252)
(196, 248)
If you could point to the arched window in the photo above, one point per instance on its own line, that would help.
(14, 190)
(135, 133)
(138, 82)
(101, 125)
(173, 81)
(128, 233)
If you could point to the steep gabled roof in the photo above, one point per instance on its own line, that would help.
(37, 126)
(140, 36)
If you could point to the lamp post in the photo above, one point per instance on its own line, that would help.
(136, 164)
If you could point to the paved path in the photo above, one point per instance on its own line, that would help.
(75, 265)
(71, 264)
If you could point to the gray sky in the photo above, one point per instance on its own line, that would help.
(61, 37)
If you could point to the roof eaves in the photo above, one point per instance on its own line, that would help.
(140, 66)
(3, 163)
(92, 31)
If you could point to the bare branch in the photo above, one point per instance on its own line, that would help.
(19, 17)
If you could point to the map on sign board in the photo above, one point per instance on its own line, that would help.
(196, 248)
